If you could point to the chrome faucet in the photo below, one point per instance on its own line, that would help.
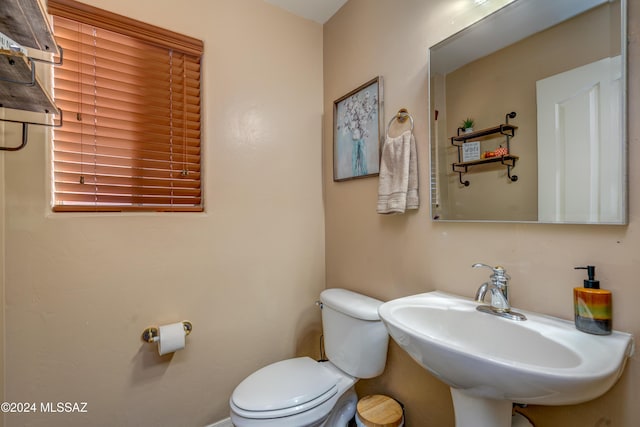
(498, 286)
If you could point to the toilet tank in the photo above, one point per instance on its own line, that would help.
(355, 339)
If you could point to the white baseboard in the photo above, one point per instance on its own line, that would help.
(222, 423)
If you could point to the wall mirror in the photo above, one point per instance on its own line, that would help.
(545, 84)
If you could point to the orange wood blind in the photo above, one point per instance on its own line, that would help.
(131, 133)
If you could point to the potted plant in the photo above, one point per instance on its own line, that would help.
(467, 125)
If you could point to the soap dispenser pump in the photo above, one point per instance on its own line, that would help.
(592, 305)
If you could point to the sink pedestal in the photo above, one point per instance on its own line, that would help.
(472, 411)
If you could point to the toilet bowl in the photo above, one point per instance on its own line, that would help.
(302, 392)
(295, 392)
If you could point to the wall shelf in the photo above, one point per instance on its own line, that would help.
(20, 88)
(506, 130)
(26, 23)
(508, 159)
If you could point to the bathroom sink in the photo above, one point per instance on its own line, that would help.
(490, 360)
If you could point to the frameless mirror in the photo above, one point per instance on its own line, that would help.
(544, 82)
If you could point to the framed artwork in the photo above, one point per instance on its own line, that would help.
(471, 151)
(357, 131)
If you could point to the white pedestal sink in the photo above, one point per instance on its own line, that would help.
(490, 362)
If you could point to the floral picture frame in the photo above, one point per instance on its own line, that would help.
(357, 131)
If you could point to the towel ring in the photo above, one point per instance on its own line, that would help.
(401, 116)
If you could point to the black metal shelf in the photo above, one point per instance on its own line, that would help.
(505, 129)
(502, 159)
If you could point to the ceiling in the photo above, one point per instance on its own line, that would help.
(316, 10)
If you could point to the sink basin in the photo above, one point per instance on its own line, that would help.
(490, 362)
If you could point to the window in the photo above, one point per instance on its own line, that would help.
(130, 96)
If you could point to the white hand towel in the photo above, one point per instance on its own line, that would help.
(398, 180)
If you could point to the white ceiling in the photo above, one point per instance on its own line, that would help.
(315, 10)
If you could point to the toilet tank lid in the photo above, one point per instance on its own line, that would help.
(351, 303)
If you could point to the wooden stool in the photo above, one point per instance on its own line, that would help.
(379, 411)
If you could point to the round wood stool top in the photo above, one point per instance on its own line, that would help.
(379, 411)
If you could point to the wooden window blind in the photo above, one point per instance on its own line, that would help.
(130, 95)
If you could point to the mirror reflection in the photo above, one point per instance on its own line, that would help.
(544, 84)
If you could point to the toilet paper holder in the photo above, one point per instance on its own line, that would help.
(152, 334)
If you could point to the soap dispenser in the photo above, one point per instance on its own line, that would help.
(592, 305)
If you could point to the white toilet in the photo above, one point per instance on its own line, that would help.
(301, 392)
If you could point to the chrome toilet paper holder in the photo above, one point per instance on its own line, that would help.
(152, 334)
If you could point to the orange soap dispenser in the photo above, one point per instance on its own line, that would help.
(592, 305)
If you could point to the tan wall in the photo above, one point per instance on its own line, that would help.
(505, 81)
(393, 256)
(80, 289)
(2, 255)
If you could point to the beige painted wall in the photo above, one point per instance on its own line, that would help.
(2, 255)
(393, 256)
(80, 289)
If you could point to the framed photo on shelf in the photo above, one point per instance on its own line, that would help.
(471, 151)
(357, 132)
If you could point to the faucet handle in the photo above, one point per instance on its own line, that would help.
(498, 269)
(499, 276)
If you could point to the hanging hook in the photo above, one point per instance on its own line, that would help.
(508, 116)
(465, 183)
(25, 128)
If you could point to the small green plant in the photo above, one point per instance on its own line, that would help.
(467, 123)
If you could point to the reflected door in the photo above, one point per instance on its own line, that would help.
(575, 110)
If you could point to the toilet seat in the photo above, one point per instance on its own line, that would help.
(284, 388)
